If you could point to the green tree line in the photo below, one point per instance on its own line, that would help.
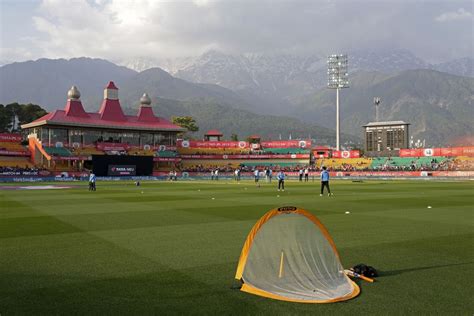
(14, 114)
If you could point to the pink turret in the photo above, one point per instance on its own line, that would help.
(74, 105)
(110, 109)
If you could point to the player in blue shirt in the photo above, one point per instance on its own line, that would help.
(325, 181)
(91, 181)
(281, 180)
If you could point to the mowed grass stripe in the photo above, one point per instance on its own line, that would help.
(180, 255)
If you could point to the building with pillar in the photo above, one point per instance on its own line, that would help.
(70, 137)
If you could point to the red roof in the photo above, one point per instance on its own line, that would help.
(74, 108)
(110, 110)
(110, 115)
(213, 132)
(111, 85)
(59, 117)
(145, 114)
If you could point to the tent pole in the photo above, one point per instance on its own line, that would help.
(281, 265)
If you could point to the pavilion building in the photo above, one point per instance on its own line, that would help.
(69, 137)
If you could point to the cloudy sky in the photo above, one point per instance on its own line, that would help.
(122, 29)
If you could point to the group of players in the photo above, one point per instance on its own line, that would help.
(268, 175)
(281, 178)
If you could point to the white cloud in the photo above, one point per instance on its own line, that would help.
(122, 29)
(460, 14)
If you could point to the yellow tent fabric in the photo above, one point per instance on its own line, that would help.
(290, 256)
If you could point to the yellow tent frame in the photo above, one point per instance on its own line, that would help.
(248, 244)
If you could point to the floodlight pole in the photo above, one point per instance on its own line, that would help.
(337, 79)
(337, 120)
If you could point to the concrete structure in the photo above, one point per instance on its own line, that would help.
(383, 138)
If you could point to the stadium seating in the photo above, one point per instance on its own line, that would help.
(166, 154)
(345, 163)
(22, 162)
(462, 163)
(271, 164)
(378, 162)
(140, 152)
(58, 151)
(10, 146)
(86, 151)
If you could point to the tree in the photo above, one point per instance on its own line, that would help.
(30, 112)
(187, 122)
(234, 137)
(5, 119)
(14, 114)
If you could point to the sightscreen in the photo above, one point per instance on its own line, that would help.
(122, 170)
(108, 165)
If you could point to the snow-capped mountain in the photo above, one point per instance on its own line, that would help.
(460, 67)
(277, 81)
(387, 61)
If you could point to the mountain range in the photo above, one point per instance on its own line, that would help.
(256, 89)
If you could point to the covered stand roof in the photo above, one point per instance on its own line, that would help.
(110, 114)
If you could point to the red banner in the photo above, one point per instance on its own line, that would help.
(112, 146)
(445, 152)
(345, 154)
(13, 153)
(211, 144)
(68, 158)
(14, 138)
(287, 144)
(167, 159)
(287, 156)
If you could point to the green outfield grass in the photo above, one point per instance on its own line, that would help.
(173, 249)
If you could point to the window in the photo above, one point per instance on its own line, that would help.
(58, 135)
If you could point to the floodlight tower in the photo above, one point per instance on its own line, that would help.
(337, 79)
(377, 102)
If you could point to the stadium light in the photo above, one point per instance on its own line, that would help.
(377, 102)
(337, 79)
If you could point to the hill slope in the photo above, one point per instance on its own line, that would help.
(438, 106)
(46, 81)
(211, 115)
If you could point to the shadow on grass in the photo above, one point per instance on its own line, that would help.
(397, 272)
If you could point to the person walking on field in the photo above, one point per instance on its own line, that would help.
(256, 174)
(325, 181)
(281, 180)
(92, 181)
(306, 174)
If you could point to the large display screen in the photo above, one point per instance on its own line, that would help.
(122, 170)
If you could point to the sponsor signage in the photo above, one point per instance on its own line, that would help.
(24, 173)
(122, 170)
(211, 144)
(14, 138)
(445, 152)
(70, 158)
(345, 154)
(165, 159)
(112, 146)
(14, 153)
(287, 156)
(287, 144)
